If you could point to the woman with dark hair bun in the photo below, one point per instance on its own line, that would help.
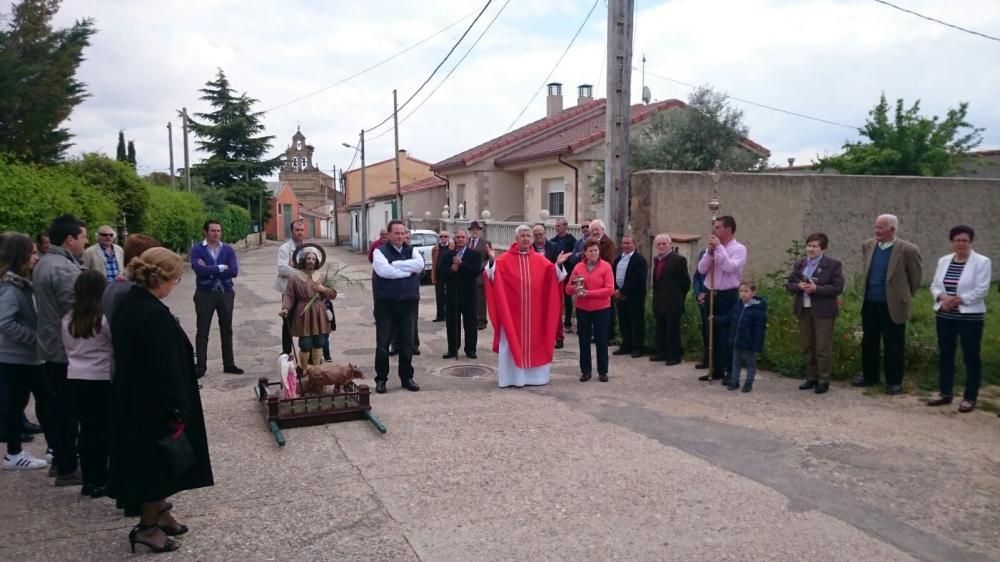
(155, 403)
(959, 289)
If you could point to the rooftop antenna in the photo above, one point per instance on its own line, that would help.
(646, 94)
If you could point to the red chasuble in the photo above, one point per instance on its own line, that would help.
(524, 298)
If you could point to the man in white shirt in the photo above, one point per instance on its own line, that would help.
(286, 253)
(397, 269)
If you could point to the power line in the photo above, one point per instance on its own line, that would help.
(438, 67)
(563, 55)
(761, 105)
(928, 18)
(372, 67)
(450, 72)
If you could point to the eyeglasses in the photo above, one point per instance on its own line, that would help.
(106, 234)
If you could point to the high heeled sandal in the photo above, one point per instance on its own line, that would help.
(133, 537)
(180, 529)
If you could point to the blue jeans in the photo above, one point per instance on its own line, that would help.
(971, 333)
(307, 343)
(594, 323)
(744, 355)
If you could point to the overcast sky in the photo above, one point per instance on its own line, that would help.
(826, 58)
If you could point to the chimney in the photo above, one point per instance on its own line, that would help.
(554, 103)
(585, 93)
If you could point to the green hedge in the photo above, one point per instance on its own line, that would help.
(31, 197)
(781, 348)
(175, 218)
(235, 223)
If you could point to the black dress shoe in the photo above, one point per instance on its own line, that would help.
(32, 428)
(655, 358)
(701, 365)
(636, 354)
(380, 387)
(807, 385)
(559, 344)
(894, 389)
(861, 382)
(733, 386)
(408, 384)
(822, 387)
(232, 370)
(672, 362)
(585, 377)
(940, 401)
(472, 355)
(438, 320)
(393, 352)
(449, 355)
(603, 378)
(709, 377)
(621, 351)
(199, 372)
(416, 352)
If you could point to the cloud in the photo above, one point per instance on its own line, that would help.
(827, 58)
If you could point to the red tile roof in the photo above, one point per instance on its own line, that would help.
(581, 134)
(527, 132)
(426, 183)
(573, 129)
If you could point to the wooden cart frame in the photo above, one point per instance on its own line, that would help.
(351, 403)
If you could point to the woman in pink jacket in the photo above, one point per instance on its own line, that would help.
(592, 284)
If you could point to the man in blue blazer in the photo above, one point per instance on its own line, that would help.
(215, 266)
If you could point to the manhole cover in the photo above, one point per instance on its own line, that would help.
(467, 371)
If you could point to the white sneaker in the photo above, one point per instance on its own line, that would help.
(48, 456)
(22, 461)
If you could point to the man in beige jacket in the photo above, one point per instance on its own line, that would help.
(891, 274)
(105, 256)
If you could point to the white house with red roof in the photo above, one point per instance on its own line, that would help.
(547, 164)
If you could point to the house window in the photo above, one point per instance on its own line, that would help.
(459, 199)
(555, 190)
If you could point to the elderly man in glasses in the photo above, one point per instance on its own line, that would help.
(105, 256)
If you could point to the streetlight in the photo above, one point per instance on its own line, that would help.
(364, 201)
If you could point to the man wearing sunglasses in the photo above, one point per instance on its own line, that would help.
(105, 256)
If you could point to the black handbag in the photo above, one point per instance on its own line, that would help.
(176, 452)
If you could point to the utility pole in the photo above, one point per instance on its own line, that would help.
(364, 200)
(616, 163)
(395, 132)
(336, 226)
(187, 157)
(170, 145)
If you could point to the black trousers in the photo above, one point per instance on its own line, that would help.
(286, 338)
(205, 305)
(416, 332)
(632, 323)
(19, 381)
(722, 345)
(65, 419)
(879, 331)
(970, 333)
(462, 316)
(703, 311)
(439, 300)
(567, 307)
(668, 336)
(593, 324)
(392, 317)
(94, 400)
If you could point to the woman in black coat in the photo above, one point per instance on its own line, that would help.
(154, 395)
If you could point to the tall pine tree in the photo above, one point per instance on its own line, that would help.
(121, 154)
(38, 85)
(228, 133)
(130, 154)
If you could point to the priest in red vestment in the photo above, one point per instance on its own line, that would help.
(525, 303)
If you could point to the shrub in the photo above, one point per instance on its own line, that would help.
(235, 223)
(118, 181)
(31, 197)
(174, 217)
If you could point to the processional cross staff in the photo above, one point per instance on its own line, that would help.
(714, 206)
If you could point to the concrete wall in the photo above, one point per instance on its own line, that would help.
(418, 202)
(772, 210)
(500, 192)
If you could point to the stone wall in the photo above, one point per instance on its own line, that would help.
(772, 210)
